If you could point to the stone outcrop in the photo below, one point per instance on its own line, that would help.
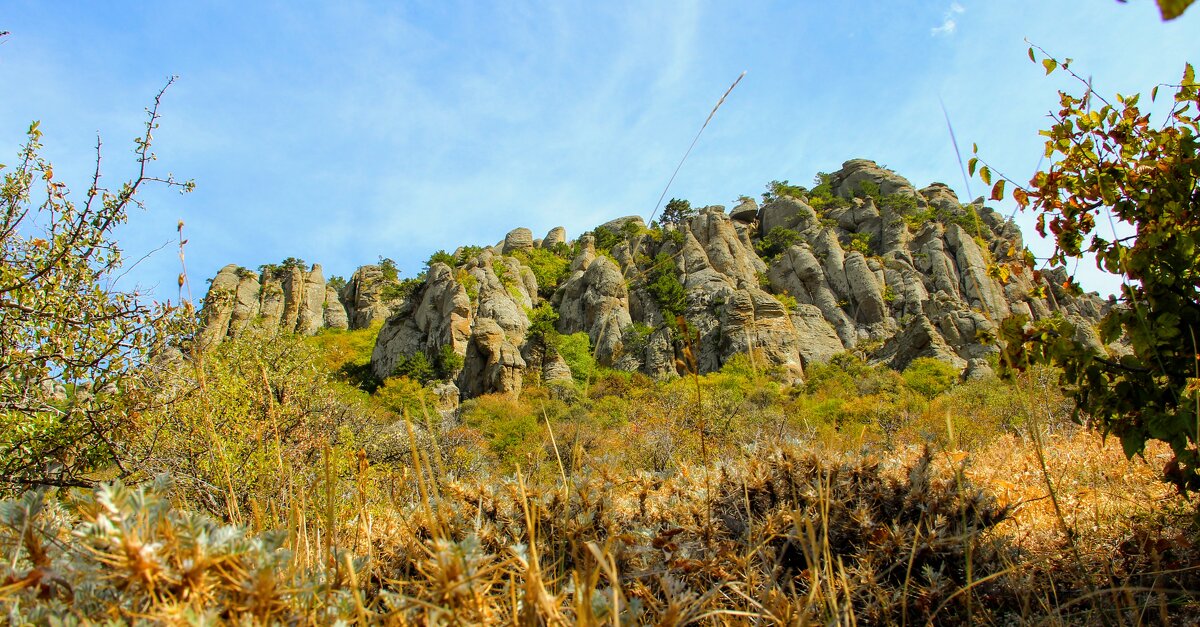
(485, 325)
(746, 211)
(366, 296)
(436, 315)
(786, 212)
(335, 310)
(595, 300)
(556, 236)
(868, 263)
(285, 299)
(517, 239)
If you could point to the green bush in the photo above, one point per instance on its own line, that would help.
(821, 196)
(448, 362)
(774, 243)
(469, 282)
(636, 338)
(778, 189)
(416, 367)
(764, 281)
(565, 250)
(63, 320)
(788, 302)
(677, 212)
(664, 286)
(900, 203)
(511, 428)
(401, 289)
(346, 354)
(251, 407)
(576, 350)
(500, 269)
(388, 267)
(548, 268)
(929, 377)
(441, 256)
(542, 323)
(868, 189)
(609, 411)
(606, 238)
(401, 395)
(632, 229)
(419, 367)
(860, 242)
(293, 262)
(466, 253)
(610, 382)
(848, 375)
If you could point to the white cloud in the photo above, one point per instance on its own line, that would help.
(949, 21)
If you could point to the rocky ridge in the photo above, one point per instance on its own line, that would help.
(863, 262)
(289, 299)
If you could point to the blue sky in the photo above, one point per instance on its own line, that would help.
(341, 132)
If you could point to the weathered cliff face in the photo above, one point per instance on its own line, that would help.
(595, 300)
(283, 299)
(288, 299)
(366, 296)
(863, 262)
(479, 310)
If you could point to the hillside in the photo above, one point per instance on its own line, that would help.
(781, 415)
(862, 262)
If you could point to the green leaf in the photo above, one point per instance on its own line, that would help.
(1132, 442)
(1154, 93)
(986, 175)
(1050, 65)
(971, 163)
(1189, 75)
(998, 190)
(1031, 57)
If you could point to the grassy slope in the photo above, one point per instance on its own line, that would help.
(863, 496)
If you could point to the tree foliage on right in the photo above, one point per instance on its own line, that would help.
(1109, 165)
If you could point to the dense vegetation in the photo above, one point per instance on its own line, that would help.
(287, 493)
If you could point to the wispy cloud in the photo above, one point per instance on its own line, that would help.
(949, 21)
(375, 128)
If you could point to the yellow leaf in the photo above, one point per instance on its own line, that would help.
(1021, 197)
(1172, 9)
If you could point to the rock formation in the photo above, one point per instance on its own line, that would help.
(864, 262)
(366, 296)
(284, 299)
(288, 299)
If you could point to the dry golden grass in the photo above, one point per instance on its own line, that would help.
(784, 537)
